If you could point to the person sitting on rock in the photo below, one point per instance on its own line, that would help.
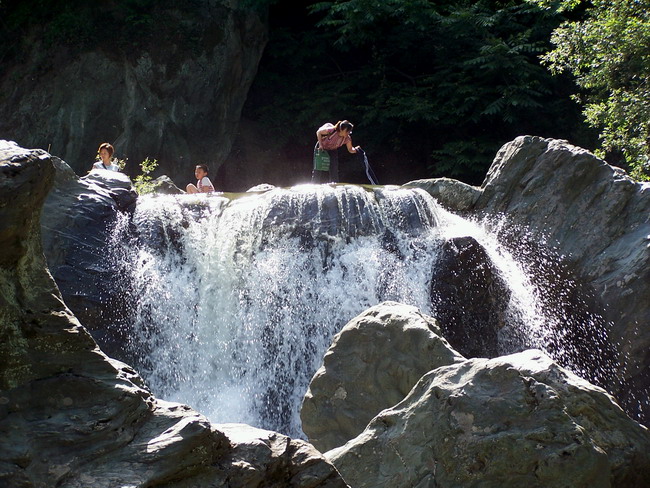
(105, 153)
(330, 138)
(203, 183)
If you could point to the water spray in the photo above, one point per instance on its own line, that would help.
(369, 172)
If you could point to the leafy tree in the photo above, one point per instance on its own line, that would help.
(444, 82)
(607, 50)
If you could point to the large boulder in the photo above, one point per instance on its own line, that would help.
(451, 194)
(595, 221)
(78, 218)
(173, 92)
(598, 219)
(512, 421)
(469, 297)
(72, 417)
(373, 362)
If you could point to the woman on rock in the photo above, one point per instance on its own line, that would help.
(105, 152)
(330, 138)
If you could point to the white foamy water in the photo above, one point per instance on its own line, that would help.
(236, 301)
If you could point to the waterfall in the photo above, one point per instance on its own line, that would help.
(234, 299)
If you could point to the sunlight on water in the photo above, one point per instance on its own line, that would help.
(527, 325)
(235, 301)
(548, 310)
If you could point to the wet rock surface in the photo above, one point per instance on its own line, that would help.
(469, 297)
(594, 220)
(78, 217)
(72, 417)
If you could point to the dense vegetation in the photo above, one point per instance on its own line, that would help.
(434, 88)
(440, 86)
(608, 53)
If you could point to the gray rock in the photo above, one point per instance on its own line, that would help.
(469, 297)
(583, 226)
(110, 180)
(262, 456)
(513, 421)
(453, 195)
(598, 220)
(262, 187)
(173, 98)
(372, 364)
(164, 184)
(72, 417)
(77, 219)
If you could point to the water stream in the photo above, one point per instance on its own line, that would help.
(235, 300)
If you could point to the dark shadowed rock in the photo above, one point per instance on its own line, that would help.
(469, 297)
(578, 210)
(513, 421)
(175, 96)
(71, 417)
(372, 364)
(77, 220)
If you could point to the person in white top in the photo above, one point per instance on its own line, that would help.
(203, 183)
(105, 152)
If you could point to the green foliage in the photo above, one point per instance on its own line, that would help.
(608, 53)
(121, 163)
(142, 182)
(458, 158)
(415, 76)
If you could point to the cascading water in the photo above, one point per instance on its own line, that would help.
(235, 301)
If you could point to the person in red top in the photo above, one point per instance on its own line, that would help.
(330, 138)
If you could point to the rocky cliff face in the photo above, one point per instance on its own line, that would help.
(72, 417)
(77, 218)
(176, 97)
(595, 221)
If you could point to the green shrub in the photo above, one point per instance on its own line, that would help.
(142, 182)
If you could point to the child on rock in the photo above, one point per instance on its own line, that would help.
(203, 183)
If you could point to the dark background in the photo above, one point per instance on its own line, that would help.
(433, 88)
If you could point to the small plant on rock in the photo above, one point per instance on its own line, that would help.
(142, 182)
